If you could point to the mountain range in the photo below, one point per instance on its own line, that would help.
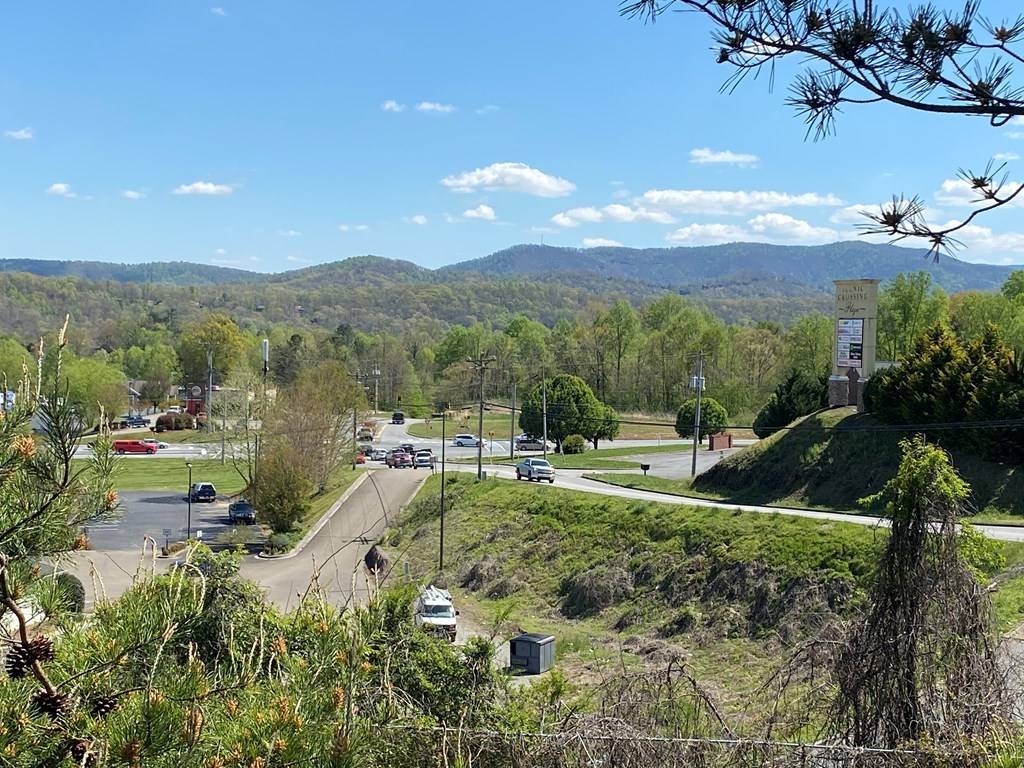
(739, 282)
(730, 270)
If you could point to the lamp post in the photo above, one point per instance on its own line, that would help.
(188, 523)
(440, 551)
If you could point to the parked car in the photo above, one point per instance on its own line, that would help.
(468, 441)
(203, 492)
(241, 511)
(527, 443)
(134, 446)
(379, 454)
(160, 444)
(434, 611)
(360, 458)
(423, 459)
(174, 409)
(398, 417)
(535, 469)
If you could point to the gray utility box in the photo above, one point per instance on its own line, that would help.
(532, 653)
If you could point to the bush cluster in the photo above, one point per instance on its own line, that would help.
(574, 444)
(168, 422)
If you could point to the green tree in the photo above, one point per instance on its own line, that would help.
(281, 490)
(14, 358)
(572, 408)
(799, 394)
(906, 306)
(807, 345)
(1013, 288)
(216, 333)
(713, 417)
(92, 386)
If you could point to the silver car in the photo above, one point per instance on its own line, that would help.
(535, 469)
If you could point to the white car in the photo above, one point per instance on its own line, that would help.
(435, 612)
(468, 441)
(160, 444)
(535, 469)
(174, 409)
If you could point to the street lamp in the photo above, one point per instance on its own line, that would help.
(440, 552)
(188, 524)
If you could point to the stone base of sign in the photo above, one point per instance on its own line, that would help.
(842, 391)
(838, 391)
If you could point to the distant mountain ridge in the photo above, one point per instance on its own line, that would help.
(716, 267)
(733, 270)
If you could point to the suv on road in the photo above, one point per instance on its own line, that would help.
(398, 417)
(423, 459)
(134, 421)
(468, 441)
(202, 492)
(535, 469)
(528, 443)
(241, 511)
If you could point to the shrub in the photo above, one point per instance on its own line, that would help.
(713, 417)
(238, 537)
(574, 444)
(595, 589)
(277, 543)
(799, 394)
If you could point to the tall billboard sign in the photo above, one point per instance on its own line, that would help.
(854, 341)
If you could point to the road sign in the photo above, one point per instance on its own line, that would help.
(199, 535)
(167, 533)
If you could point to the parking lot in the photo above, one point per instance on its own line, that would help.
(149, 513)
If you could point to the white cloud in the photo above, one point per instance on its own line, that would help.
(621, 194)
(515, 177)
(60, 189)
(628, 215)
(735, 203)
(433, 106)
(20, 134)
(218, 11)
(132, 194)
(482, 211)
(857, 214)
(779, 226)
(616, 212)
(419, 219)
(600, 242)
(289, 233)
(204, 188)
(392, 106)
(293, 257)
(768, 227)
(487, 109)
(1006, 157)
(980, 240)
(707, 156)
(220, 252)
(707, 233)
(352, 227)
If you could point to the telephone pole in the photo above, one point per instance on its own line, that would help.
(480, 366)
(512, 430)
(697, 382)
(544, 411)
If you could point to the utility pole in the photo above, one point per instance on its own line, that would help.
(544, 411)
(512, 429)
(209, 390)
(697, 382)
(263, 409)
(355, 418)
(480, 366)
(440, 550)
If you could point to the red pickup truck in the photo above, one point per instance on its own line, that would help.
(134, 446)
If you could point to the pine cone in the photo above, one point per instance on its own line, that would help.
(103, 705)
(17, 661)
(81, 755)
(54, 705)
(40, 648)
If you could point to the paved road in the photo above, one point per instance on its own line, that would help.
(336, 551)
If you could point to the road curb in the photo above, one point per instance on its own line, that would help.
(312, 532)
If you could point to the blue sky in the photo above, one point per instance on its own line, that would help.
(271, 135)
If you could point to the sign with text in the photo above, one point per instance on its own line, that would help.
(850, 342)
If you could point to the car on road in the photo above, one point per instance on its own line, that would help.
(408, 447)
(468, 441)
(379, 454)
(160, 444)
(203, 492)
(528, 443)
(360, 458)
(535, 469)
(174, 409)
(133, 421)
(423, 459)
(134, 446)
(241, 511)
(365, 435)
(398, 417)
(402, 460)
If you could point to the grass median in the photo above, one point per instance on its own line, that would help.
(602, 458)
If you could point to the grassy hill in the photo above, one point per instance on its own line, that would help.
(816, 463)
